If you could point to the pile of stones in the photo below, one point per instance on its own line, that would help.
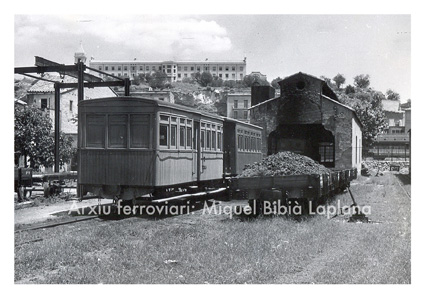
(284, 164)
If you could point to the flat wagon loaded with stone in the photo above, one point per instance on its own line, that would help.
(312, 143)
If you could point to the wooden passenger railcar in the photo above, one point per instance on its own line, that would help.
(242, 145)
(133, 146)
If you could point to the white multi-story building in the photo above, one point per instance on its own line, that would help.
(175, 70)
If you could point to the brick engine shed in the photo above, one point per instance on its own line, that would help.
(307, 118)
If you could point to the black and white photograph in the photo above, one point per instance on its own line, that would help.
(199, 148)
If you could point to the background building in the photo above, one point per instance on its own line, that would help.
(238, 105)
(175, 70)
(308, 118)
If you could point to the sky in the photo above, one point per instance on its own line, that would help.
(276, 45)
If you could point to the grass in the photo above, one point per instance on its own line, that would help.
(216, 249)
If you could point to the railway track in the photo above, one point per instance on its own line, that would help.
(55, 224)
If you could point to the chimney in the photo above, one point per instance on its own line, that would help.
(261, 93)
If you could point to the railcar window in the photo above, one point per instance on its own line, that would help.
(219, 141)
(182, 136)
(163, 135)
(173, 135)
(95, 131)
(214, 140)
(208, 139)
(117, 131)
(139, 131)
(203, 139)
(189, 137)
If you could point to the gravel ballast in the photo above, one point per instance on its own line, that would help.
(284, 164)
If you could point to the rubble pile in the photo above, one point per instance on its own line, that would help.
(283, 164)
(383, 166)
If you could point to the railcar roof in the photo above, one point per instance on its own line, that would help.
(154, 102)
(242, 123)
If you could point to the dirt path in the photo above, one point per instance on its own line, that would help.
(37, 214)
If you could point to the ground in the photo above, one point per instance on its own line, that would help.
(210, 248)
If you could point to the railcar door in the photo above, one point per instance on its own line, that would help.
(197, 151)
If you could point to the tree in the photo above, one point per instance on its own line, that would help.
(368, 106)
(350, 89)
(250, 79)
(158, 79)
(339, 80)
(33, 138)
(392, 95)
(217, 82)
(275, 84)
(205, 79)
(362, 81)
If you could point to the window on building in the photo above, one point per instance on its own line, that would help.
(147, 68)
(125, 67)
(153, 68)
(119, 74)
(100, 67)
(245, 104)
(43, 104)
(235, 114)
(141, 68)
(233, 76)
(220, 68)
(214, 68)
(198, 68)
(227, 68)
(227, 75)
(71, 103)
(139, 131)
(95, 131)
(117, 131)
(112, 67)
(326, 151)
(133, 68)
(185, 68)
(241, 68)
(233, 68)
(119, 67)
(245, 114)
(106, 68)
(220, 75)
(235, 104)
(192, 68)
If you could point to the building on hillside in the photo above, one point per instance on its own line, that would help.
(238, 105)
(394, 143)
(175, 70)
(308, 118)
(258, 75)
